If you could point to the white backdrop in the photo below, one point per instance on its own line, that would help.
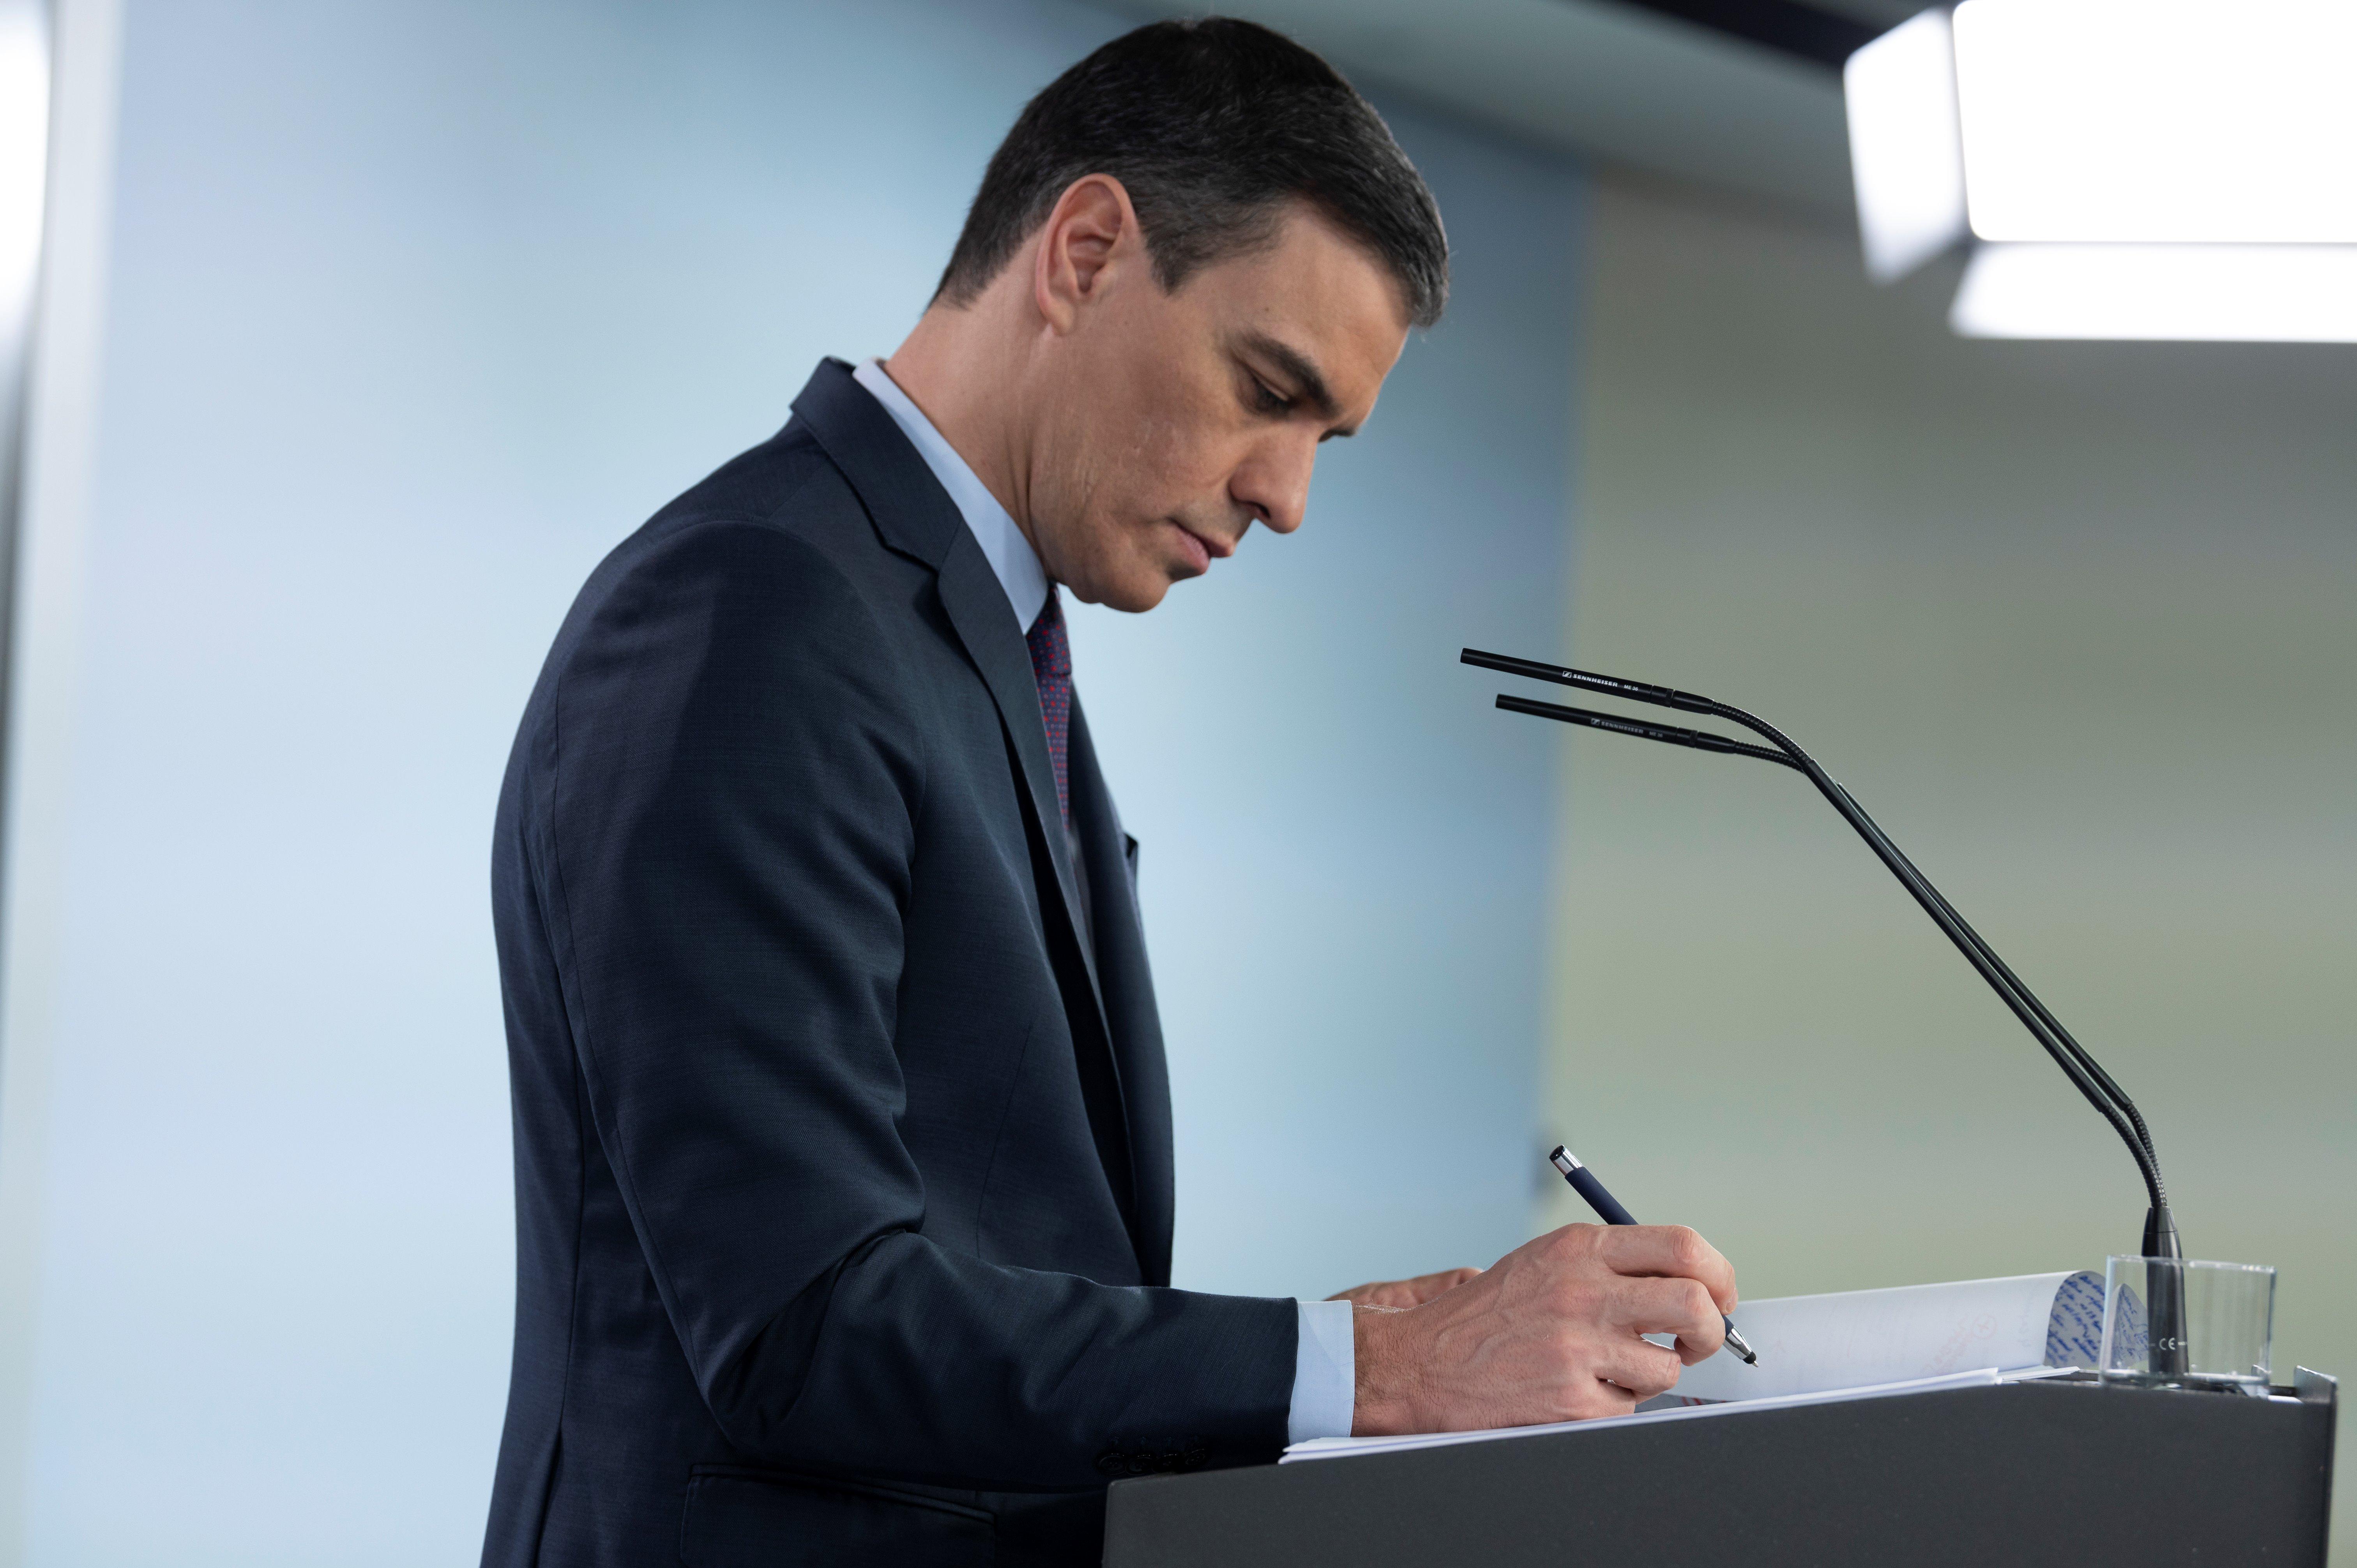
(414, 310)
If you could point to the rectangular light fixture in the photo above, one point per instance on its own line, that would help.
(2122, 168)
(2280, 294)
(2160, 121)
(23, 152)
(1906, 149)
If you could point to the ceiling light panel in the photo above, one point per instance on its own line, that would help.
(2267, 294)
(2160, 120)
(23, 153)
(1904, 151)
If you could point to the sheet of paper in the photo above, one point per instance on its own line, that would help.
(1808, 1343)
(1346, 1448)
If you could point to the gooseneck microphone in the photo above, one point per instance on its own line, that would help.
(2112, 1102)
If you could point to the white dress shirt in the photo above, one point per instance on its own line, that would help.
(1325, 1361)
(1010, 553)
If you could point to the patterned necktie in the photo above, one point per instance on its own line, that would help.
(1051, 666)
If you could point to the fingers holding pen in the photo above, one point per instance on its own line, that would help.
(1639, 1369)
(1553, 1331)
(1600, 1290)
(1683, 1307)
(1669, 1252)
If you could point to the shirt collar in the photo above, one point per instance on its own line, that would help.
(1010, 554)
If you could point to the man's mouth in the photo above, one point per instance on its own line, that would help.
(1202, 549)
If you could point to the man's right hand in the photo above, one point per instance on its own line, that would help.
(1550, 1332)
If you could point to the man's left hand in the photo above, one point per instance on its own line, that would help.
(1405, 1293)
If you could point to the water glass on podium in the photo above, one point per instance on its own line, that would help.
(2179, 1323)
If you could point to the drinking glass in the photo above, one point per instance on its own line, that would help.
(2179, 1323)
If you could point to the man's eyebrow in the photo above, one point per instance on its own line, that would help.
(1295, 367)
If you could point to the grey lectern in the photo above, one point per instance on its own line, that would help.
(2061, 1473)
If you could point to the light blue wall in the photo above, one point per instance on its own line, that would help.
(416, 309)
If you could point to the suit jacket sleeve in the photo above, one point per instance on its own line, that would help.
(726, 800)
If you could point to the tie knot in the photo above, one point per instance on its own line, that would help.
(1051, 645)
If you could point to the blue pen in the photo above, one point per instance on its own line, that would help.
(1608, 1208)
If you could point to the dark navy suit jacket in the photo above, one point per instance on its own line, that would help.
(843, 1152)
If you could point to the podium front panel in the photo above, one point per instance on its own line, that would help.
(2035, 1473)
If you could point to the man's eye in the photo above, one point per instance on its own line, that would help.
(1267, 398)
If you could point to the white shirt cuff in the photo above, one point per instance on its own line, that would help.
(1324, 1373)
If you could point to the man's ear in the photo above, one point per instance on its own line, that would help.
(1090, 240)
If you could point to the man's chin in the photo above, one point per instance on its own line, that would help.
(1136, 599)
(1137, 587)
(1131, 592)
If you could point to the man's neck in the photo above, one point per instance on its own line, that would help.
(954, 371)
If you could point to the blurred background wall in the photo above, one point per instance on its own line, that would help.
(2074, 622)
(402, 316)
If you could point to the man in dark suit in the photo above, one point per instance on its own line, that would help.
(843, 1133)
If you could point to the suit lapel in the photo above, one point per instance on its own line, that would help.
(978, 609)
(916, 517)
(1137, 1029)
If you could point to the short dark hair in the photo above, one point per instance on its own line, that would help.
(1212, 127)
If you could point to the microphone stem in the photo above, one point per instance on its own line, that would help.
(2016, 996)
(2078, 1065)
(2084, 1072)
(2094, 1070)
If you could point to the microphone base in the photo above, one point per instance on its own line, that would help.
(2167, 1284)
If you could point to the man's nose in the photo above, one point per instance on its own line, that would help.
(1273, 483)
